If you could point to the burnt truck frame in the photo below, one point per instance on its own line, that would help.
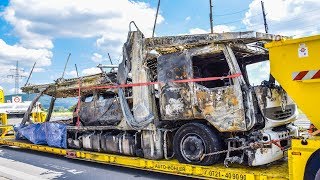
(195, 122)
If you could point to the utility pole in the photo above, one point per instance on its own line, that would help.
(155, 19)
(264, 17)
(211, 18)
(65, 66)
(272, 80)
(110, 59)
(16, 77)
(30, 73)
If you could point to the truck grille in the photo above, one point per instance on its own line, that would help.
(276, 113)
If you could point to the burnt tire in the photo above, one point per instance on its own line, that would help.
(192, 140)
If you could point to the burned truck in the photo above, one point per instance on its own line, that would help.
(185, 97)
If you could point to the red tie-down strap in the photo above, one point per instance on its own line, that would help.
(78, 105)
(158, 82)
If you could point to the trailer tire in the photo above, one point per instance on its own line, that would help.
(192, 140)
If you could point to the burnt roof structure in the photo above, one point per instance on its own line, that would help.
(239, 41)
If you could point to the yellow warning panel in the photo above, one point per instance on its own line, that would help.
(299, 155)
(295, 64)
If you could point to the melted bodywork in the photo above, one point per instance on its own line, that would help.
(221, 106)
(166, 95)
(277, 107)
(100, 110)
(166, 59)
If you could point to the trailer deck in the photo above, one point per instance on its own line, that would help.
(277, 170)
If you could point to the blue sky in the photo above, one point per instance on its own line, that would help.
(47, 30)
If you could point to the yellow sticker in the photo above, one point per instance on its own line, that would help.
(228, 175)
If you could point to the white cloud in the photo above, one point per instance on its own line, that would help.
(39, 69)
(216, 29)
(286, 17)
(38, 22)
(188, 18)
(10, 54)
(5, 71)
(13, 91)
(90, 71)
(96, 57)
(198, 31)
(72, 74)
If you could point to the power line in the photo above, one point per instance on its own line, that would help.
(232, 13)
(261, 25)
(239, 20)
(280, 22)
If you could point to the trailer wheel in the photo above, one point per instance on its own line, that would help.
(192, 141)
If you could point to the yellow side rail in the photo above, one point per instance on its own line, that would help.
(4, 127)
(236, 172)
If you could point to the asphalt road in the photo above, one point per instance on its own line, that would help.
(19, 164)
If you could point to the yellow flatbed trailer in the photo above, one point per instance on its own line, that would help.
(295, 64)
(273, 171)
(292, 169)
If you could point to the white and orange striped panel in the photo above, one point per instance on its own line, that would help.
(306, 75)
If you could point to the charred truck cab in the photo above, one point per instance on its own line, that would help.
(189, 99)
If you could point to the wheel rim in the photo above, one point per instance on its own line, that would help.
(192, 147)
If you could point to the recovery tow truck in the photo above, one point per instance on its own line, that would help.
(290, 62)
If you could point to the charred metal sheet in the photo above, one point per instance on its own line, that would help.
(143, 101)
(233, 64)
(202, 39)
(221, 106)
(69, 87)
(101, 111)
(274, 103)
(249, 54)
(175, 98)
(152, 144)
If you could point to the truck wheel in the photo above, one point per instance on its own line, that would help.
(192, 141)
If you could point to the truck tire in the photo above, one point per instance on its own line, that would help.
(192, 140)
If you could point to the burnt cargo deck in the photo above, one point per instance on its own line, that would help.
(278, 170)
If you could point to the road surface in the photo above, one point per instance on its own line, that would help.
(21, 164)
